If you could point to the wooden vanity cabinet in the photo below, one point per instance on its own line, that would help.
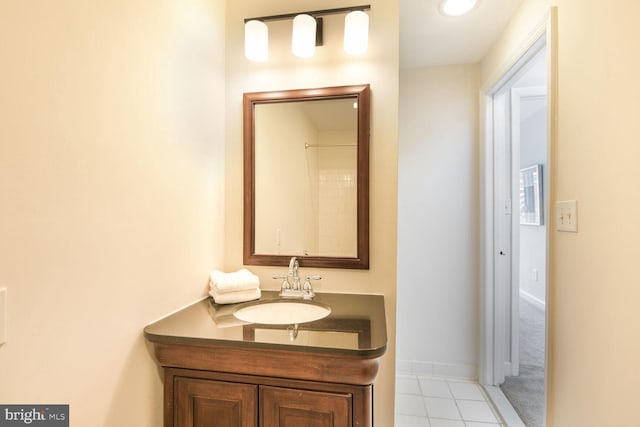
(218, 374)
(213, 399)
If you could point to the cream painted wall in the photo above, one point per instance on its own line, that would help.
(594, 340)
(594, 293)
(111, 181)
(330, 67)
(437, 221)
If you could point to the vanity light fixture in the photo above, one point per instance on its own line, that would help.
(457, 7)
(308, 32)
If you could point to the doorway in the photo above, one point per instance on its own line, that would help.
(515, 238)
(523, 383)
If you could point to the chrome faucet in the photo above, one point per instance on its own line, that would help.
(296, 290)
(293, 273)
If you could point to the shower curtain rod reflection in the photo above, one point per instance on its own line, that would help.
(328, 146)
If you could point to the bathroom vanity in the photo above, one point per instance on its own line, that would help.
(221, 371)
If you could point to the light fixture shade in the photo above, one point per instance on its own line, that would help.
(356, 32)
(457, 7)
(303, 39)
(256, 41)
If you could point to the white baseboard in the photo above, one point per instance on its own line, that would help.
(533, 300)
(437, 369)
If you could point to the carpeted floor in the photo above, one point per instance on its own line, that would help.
(526, 391)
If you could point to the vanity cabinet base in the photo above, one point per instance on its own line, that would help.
(202, 398)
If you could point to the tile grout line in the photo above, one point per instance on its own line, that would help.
(485, 398)
(455, 401)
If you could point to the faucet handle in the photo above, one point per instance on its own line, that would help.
(308, 279)
(285, 281)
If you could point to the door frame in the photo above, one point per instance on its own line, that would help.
(492, 333)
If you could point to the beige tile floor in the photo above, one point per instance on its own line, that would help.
(441, 402)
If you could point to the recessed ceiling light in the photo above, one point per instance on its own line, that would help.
(457, 7)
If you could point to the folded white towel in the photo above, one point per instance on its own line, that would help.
(235, 297)
(240, 280)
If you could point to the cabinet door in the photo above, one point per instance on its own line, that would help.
(207, 403)
(286, 407)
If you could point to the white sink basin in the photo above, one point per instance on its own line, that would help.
(282, 312)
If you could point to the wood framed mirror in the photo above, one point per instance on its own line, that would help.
(306, 177)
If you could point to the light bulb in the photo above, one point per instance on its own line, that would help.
(356, 32)
(256, 41)
(303, 39)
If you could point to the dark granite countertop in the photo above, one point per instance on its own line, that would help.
(356, 326)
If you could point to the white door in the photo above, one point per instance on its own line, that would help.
(506, 321)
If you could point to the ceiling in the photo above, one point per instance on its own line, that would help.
(428, 38)
(332, 114)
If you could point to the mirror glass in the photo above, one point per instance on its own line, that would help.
(306, 177)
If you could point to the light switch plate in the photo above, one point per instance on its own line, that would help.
(567, 216)
(3, 316)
